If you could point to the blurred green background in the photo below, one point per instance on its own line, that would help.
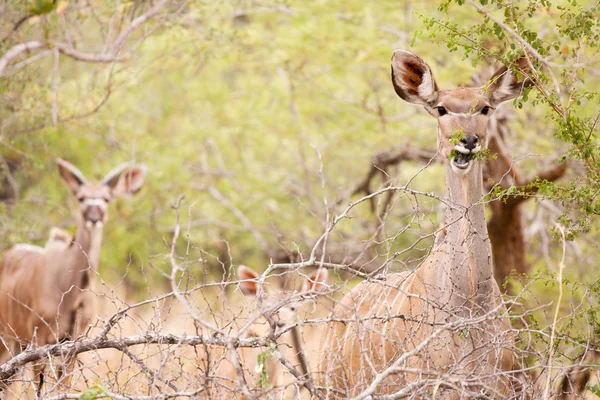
(265, 115)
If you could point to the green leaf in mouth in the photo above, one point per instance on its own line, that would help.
(482, 155)
(454, 154)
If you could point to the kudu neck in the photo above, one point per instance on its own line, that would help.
(464, 193)
(467, 269)
(87, 244)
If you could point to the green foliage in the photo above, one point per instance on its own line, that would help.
(262, 367)
(563, 92)
(246, 105)
(594, 389)
(257, 104)
(275, 113)
(93, 392)
(457, 136)
(41, 7)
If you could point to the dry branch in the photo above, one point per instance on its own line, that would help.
(68, 50)
(74, 347)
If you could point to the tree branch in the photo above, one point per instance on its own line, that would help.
(529, 188)
(385, 159)
(16, 50)
(523, 42)
(74, 347)
(68, 50)
(136, 23)
(16, 27)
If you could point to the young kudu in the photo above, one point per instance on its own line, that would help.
(45, 293)
(280, 308)
(410, 333)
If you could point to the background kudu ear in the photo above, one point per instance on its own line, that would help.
(249, 280)
(315, 282)
(71, 175)
(58, 239)
(505, 85)
(412, 79)
(126, 179)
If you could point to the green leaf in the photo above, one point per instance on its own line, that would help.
(594, 389)
(41, 7)
(93, 393)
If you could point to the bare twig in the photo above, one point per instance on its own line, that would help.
(107, 57)
(561, 267)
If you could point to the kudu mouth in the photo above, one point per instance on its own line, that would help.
(463, 158)
(94, 224)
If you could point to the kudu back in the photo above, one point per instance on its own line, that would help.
(46, 293)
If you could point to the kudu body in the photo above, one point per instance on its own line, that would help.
(45, 293)
(278, 310)
(574, 384)
(407, 329)
(58, 239)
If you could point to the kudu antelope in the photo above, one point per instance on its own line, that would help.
(280, 308)
(45, 293)
(404, 335)
(573, 384)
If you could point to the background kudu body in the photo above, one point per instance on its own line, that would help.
(280, 307)
(46, 295)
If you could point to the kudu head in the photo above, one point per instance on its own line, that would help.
(462, 114)
(282, 305)
(93, 197)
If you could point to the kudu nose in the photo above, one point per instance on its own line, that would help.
(94, 215)
(469, 142)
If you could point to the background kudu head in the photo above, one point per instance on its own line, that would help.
(93, 197)
(279, 308)
(281, 305)
(462, 113)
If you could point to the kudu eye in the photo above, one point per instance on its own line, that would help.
(486, 110)
(441, 110)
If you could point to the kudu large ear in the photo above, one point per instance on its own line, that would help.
(125, 180)
(412, 79)
(248, 280)
(70, 175)
(58, 239)
(505, 85)
(316, 281)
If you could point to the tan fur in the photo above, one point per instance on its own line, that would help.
(47, 296)
(281, 307)
(388, 320)
(58, 239)
(574, 383)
